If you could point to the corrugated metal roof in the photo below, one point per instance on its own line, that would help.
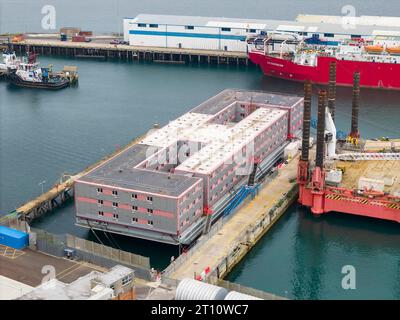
(234, 295)
(284, 27)
(237, 25)
(386, 33)
(364, 25)
(361, 20)
(190, 289)
(192, 20)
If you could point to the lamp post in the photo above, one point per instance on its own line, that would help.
(41, 184)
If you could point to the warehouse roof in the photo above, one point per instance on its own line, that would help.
(201, 21)
(364, 25)
(361, 20)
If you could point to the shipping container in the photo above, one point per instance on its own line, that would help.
(291, 149)
(334, 177)
(70, 32)
(389, 180)
(86, 33)
(18, 38)
(371, 184)
(13, 238)
(78, 39)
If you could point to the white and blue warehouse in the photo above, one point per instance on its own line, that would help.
(206, 33)
(230, 34)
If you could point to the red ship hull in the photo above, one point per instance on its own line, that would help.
(372, 74)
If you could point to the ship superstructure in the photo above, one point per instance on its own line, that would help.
(293, 57)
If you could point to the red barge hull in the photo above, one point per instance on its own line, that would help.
(373, 74)
(344, 201)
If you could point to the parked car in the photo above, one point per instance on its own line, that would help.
(122, 42)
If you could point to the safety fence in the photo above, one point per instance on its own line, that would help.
(12, 221)
(107, 252)
(88, 251)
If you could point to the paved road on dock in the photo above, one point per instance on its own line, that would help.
(211, 253)
(27, 266)
(108, 46)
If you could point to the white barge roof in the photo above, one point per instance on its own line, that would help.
(233, 139)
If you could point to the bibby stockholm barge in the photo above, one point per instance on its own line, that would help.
(176, 182)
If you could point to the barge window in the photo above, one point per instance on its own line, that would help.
(329, 35)
(226, 29)
(115, 215)
(100, 201)
(355, 36)
(134, 219)
(101, 213)
(99, 190)
(150, 210)
(134, 208)
(153, 25)
(251, 31)
(150, 222)
(149, 198)
(115, 192)
(142, 25)
(189, 27)
(134, 196)
(115, 204)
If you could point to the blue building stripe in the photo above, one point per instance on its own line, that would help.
(188, 35)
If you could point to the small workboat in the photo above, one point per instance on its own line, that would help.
(29, 74)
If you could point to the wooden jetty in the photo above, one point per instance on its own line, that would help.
(130, 53)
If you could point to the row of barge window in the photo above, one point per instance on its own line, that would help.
(115, 193)
(134, 220)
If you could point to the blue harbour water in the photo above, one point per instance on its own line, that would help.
(44, 134)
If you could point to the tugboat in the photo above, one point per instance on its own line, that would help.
(29, 74)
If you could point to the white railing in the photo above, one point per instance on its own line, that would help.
(367, 156)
